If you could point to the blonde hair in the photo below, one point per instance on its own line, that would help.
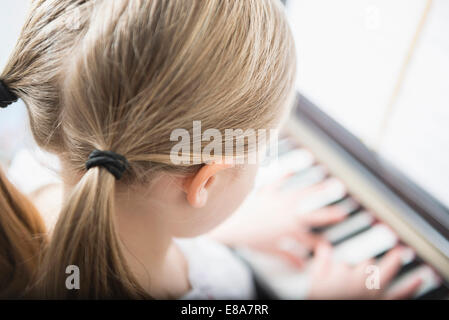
(121, 78)
(22, 237)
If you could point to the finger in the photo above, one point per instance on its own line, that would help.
(285, 249)
(308, 239)
(323, 257)
(323, 217)
(362, 267)
(405, 291)
(289, 245)
(273, 186)
(292, 258)
(389, 266)
(296, 195)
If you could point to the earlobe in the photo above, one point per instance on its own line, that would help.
(196, 187)
(201, 198)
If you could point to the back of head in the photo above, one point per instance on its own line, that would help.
(130, 73)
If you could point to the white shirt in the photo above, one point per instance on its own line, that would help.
(215, 272)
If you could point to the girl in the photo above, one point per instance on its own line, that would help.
(105, 84)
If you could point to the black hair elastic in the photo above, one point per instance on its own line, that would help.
(6, 96)
(115, 163)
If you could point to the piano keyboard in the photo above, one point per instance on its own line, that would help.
(360, 236)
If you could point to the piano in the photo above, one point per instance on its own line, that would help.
(384, 207)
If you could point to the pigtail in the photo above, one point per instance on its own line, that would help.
(85, 239)
(31, 73)
(22, 236)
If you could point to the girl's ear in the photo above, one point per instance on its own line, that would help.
(196, 187)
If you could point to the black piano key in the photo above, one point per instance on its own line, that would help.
(349, 205)
(355, 223)
(442, 292)
(377, 231)
(408, 266)
(365, 245)
(334, 243)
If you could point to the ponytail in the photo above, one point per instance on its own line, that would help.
(22, 236)
(86, 236)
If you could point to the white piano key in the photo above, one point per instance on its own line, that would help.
(295, 160)
(285, 145)
(350, 225)
(332, 191)
(407, 255)
(430, 280)
(366, 245)
(348, 205)
(306, 178)
(291, 162)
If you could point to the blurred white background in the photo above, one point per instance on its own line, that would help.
(352, 54)
(12, 119)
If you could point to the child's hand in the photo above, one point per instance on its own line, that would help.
(289, 236)
(270, 222)
(334, 280)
